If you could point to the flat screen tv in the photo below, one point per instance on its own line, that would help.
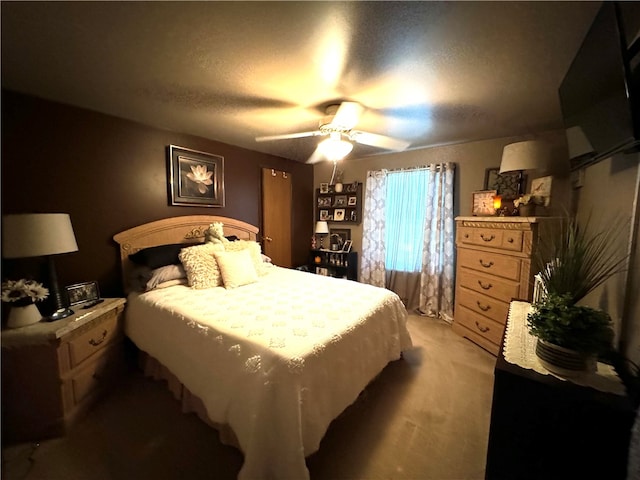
(599, 93)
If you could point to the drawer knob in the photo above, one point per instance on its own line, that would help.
(95, 342)
(466, 235)
(484, 308)
(487, 264)
(483, 286)
(487, 239)
(510, 240)
(481, 328)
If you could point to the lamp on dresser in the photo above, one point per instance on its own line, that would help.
(322, 228)
(532, 156)
(41, 235)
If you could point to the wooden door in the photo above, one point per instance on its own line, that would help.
(276, 216)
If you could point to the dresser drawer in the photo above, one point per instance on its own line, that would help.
(482, 304)
(100, 335)
(479, 324)
(490, 263)
(97, 373)
(495, 287)
(510, 240)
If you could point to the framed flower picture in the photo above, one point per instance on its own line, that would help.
(195, 178)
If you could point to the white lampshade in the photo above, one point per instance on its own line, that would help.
(37, 234)
(527, 155)
(322, 227)
(334, 148)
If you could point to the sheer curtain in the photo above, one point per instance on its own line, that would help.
(408, 243)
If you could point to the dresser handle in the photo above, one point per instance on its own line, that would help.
(482, 329)
(487, 239)
(510, 240)
(486, 265)
(95, 343)
(484, 287)
(466, 235)
(484, 308)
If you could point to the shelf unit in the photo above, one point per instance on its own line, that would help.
(334, 264)
(329, 205)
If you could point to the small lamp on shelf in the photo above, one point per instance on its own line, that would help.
(41, 235)
(322, 228)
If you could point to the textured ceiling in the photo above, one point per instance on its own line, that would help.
(431, 73)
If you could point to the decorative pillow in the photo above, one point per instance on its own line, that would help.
(254, 250)
(164, 274)
(171, 283)
(201, 266)
(159, 256)
(236, 268)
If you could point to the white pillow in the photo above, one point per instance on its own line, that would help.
(237, 268)
(254, 249)
(201, 266)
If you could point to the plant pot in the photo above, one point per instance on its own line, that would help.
(563, 361)
(21, 316)
(528, 210)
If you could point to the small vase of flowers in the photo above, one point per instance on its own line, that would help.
(526, 205)
(22, 295)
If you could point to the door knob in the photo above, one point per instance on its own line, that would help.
(268, 239)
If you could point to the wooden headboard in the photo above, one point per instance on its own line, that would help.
(185, 229)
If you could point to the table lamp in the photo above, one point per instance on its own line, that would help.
(41, 235)
(322, 228)
(527, 155)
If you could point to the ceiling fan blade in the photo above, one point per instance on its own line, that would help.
(347, 115)
(315, 157)
(379, 141)
(289, 135)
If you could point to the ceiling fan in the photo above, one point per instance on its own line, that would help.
(338, 124)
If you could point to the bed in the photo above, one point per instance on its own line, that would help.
(269, 363)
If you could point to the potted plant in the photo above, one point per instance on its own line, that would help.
(572, 336)
(526, 205)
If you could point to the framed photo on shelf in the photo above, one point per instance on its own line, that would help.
(508, 185)
(347, 246)
(338, 214)
(195, 178)
(343, 233)
(324, 201)
(324, 215)
(352, 201)
(352, 187)
(482, 203)
(324, 187)
(82, 292)
(340, 201)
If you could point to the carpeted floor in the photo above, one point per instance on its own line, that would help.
(425, 417)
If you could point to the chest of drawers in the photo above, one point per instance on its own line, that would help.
(494, 266)
(52, 372)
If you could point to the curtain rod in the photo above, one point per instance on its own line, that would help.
(437, 166)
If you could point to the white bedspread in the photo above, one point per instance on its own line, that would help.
(277, 360)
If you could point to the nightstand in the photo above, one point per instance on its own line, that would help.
(52, 372)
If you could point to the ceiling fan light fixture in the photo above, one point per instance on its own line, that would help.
(335, 148)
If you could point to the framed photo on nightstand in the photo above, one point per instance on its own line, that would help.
(83, 292)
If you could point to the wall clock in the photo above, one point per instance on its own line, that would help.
(483, 202)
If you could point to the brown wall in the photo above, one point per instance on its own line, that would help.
(110, 174)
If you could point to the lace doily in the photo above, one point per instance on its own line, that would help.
(520, 346)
